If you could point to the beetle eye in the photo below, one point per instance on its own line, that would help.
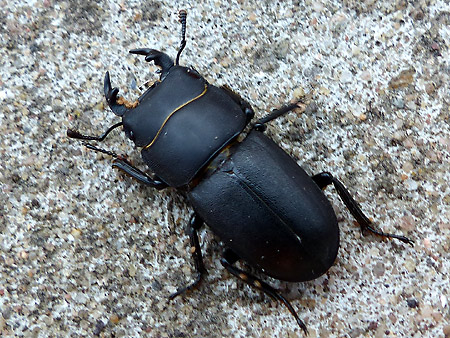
(131, 135)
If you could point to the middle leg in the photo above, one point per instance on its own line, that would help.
(194, 225)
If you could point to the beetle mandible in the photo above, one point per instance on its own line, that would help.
(266, 209)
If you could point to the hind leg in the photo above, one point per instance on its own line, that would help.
(228, 260)
(324, 179)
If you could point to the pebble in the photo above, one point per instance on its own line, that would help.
(346, 76)
(114, 319)
(446, 330)
(404, 79)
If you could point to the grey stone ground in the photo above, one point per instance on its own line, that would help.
(84, 250)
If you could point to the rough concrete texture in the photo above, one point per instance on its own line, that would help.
(85, 251)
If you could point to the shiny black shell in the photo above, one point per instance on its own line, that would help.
(181, 123)
(267, 209)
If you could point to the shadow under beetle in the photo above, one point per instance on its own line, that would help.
(265, 209)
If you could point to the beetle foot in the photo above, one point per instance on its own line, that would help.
(159, 58)
(116, 105)
(194, 225)
(387, 235)
(187, 288)
(228, 260)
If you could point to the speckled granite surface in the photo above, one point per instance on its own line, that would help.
(86, 251)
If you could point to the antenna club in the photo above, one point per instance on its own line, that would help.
(182, 15)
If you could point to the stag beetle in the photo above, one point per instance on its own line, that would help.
(266, 210)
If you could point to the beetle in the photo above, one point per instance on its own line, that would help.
(265, 208)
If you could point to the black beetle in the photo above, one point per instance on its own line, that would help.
(263, 206)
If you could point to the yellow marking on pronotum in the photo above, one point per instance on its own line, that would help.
(170, 115)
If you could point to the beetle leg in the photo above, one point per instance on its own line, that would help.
(229, 258)
(194, 225)
(260, 124)
(324, 179)
(137, 174)
(161, 59)
(245, 106)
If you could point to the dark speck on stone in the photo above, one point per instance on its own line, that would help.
(373, 326)
(412, 303)
(99, 326)
(156, 285)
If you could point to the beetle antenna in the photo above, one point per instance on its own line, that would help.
(75, 134)
(182, 19)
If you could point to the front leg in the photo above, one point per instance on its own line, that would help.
(130, 170)
(121, 163)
